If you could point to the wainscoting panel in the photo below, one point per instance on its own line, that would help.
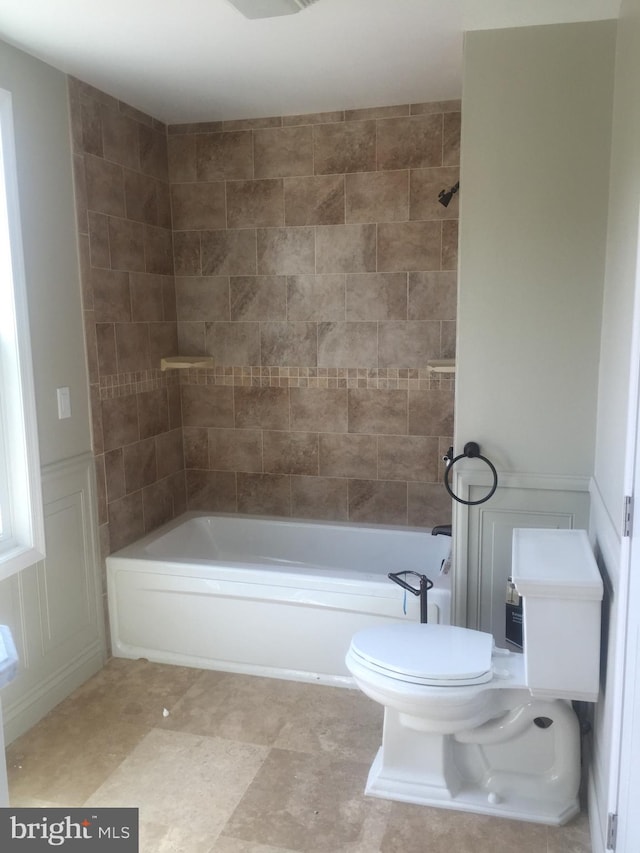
(53, 608)
(484, 532)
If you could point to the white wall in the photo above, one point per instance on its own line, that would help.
(43, 153)
(53, 608)
(534, 185)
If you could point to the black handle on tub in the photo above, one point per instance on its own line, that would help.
(425, 586)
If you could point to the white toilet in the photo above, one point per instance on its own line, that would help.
(473, 727)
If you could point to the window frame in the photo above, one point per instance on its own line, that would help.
(22, 538)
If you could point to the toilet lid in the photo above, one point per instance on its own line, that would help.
(436, 655)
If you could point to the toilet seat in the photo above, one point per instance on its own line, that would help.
(431, 655)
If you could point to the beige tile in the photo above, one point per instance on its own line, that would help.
(413, 829)
(210, 773)
(126, 521)
(409, 246)
(574, 837)
(233, 343)
(153, 151)
(263, 408)
(450, 245)
(111, 296)
(347, 345)
(323, 409)
(236, 707)
(147, 297)
(211, 491)
(196, 447)
(126, 244)
(344, 147)
(451, 139)
(314, 118)
(198, 206)
(377, 296)
(377, 412)
(132, 347)
(377, 112)
(186, 252)
(303, 804)
(431, 411)
(289, 343)
(251, 123)
(231, 252)
(255, 204)
(236, 845)
(324, 498)
(432, 296)
(317, 200)
(205, 298)
(413, 142)
(134, 691)
(378, 501)
(224, 156)
(153, 412)
(408, 344)
(235, 450)
(348, 455)
(429, 505)
(333, 721)
(345, 248)
(290, 452)
(182, 157)
(377, 196)
(258, 297)
(426, 185)
(105, 186)
(408, 457)
(207, 405)
(286, 251)
(316, 297)
(141, 197)
(160, 838)
(65, 758)
(119, 421)
(283, 152)
(191, 337)
(158, 250)
(264, 494)
(140, 467)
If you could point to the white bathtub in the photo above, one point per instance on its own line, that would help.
(266, 596)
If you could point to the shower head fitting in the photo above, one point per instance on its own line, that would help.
(445, 196)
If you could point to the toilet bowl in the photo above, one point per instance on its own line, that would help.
(473, 727)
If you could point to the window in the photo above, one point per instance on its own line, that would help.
(21, 517)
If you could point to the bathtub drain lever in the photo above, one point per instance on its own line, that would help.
(425, 586)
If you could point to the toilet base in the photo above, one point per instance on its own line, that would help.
(467, 799)
(510, 767)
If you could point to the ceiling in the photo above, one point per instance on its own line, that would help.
(201, 60)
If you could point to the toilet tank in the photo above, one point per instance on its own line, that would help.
(556, 574)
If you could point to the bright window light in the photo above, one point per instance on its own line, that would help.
(21, 517)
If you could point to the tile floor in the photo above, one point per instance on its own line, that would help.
(242, 765)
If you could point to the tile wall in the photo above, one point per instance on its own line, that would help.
(126, 254)
(310, 257)
(314, 262)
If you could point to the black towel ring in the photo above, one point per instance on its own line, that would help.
(471, 451)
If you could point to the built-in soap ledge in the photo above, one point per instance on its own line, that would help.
(442, 365)
(182, 362)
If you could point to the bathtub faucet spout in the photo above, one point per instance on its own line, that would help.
(441, 529)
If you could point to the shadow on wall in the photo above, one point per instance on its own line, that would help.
(309, 255)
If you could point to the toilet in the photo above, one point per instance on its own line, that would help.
(474, 727)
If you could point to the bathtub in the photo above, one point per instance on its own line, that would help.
(266, 596)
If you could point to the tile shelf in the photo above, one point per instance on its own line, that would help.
(442, 365)
(182, 362)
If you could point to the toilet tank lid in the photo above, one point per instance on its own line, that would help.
(548, 563)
